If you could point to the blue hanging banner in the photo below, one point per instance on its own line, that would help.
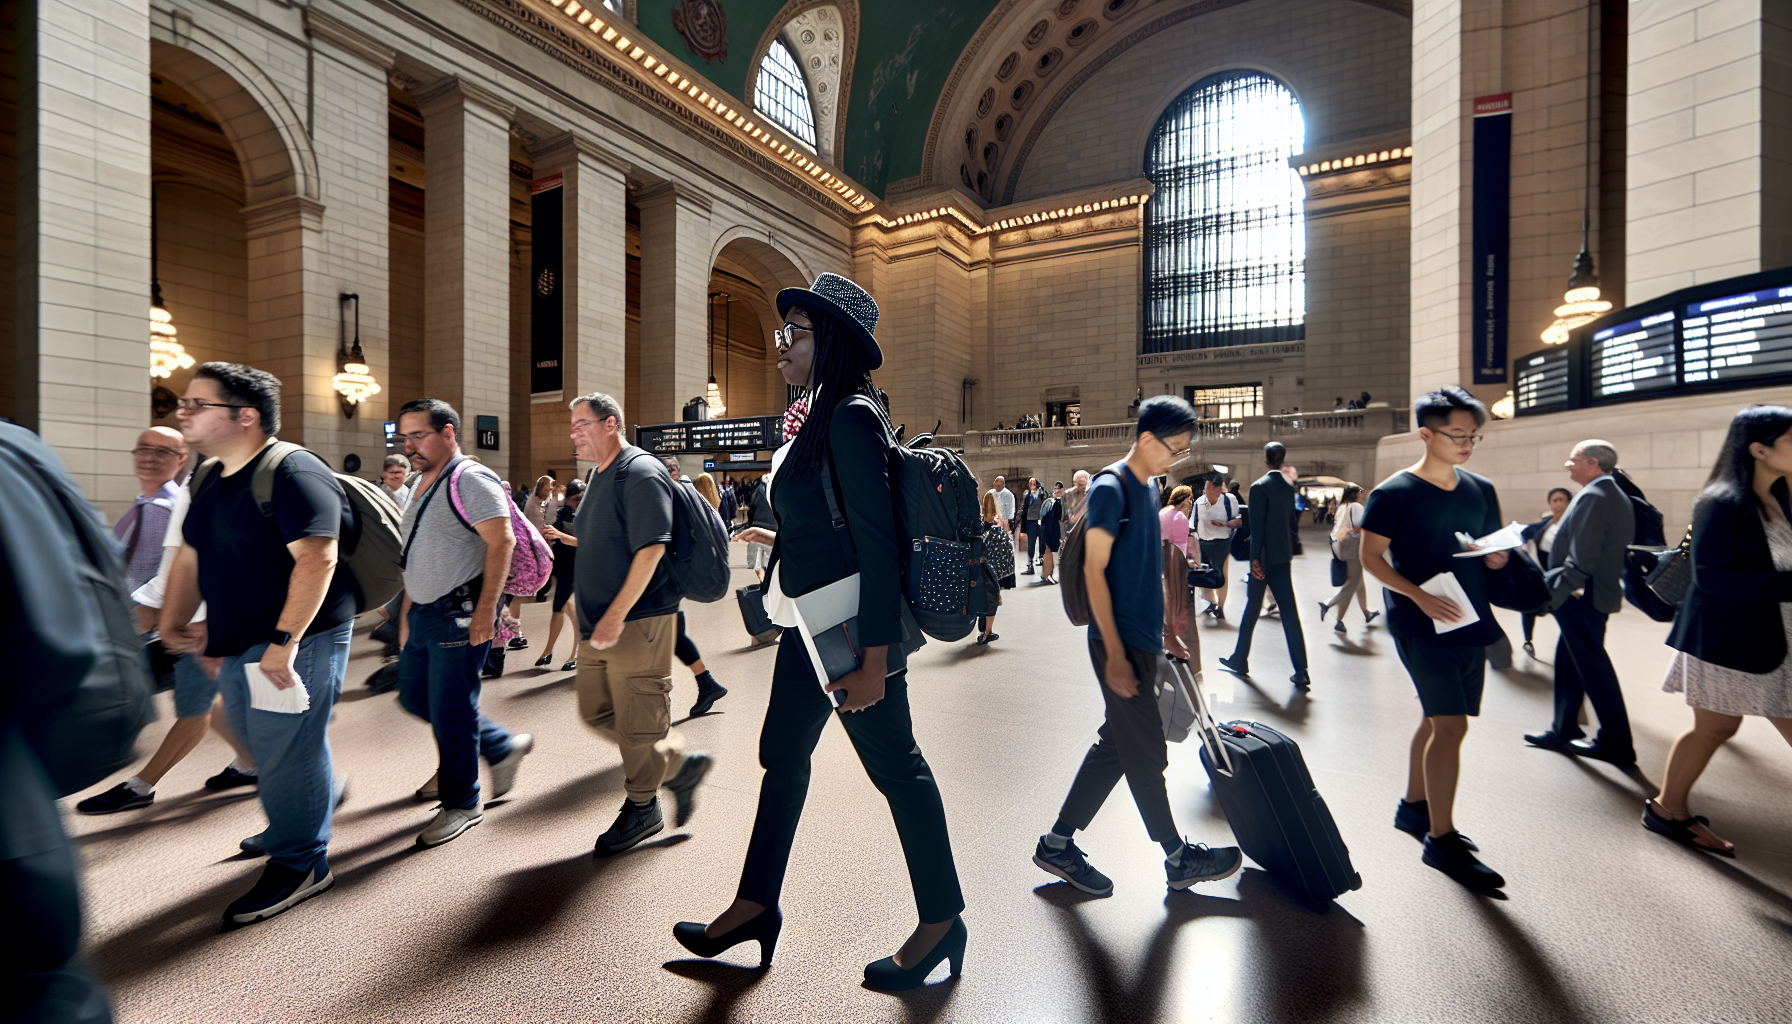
(1492, 234)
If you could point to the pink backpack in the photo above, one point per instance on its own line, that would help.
(532, 561)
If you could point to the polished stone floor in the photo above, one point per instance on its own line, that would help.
(516, 921)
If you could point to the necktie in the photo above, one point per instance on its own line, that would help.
(135, 515)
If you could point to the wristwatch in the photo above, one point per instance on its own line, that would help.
(280, 639)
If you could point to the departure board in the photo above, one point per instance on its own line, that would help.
(750, 434)
(1632, 357)
(1542, 383)
(1738, 337)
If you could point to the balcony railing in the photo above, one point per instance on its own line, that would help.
(1303, 428)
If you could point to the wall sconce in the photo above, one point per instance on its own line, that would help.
(353, 383)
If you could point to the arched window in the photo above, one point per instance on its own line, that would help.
(1225, 232)
(781, 94)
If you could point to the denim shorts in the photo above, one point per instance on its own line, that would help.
(193, 689)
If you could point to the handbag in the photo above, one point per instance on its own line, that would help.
(1340, 571)
(1175, 708)
(1672, 576)
(1519, 585)
(1206, 577)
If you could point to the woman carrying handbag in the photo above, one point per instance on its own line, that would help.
(1347, 547)
(1735, 625)
(998, 568)
(831, 494)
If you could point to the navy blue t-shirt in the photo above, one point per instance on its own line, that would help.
(1135, 571)
(1421, 520)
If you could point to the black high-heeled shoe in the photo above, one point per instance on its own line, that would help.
(886, 976)
(764, 927)
(545, 660)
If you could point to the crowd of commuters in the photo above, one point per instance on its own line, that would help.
(263, 665)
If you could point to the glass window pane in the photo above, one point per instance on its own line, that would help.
(1225, 233)
(781, 94)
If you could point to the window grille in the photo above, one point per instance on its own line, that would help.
(1234, 402)
(781, 94)
(1225, 232)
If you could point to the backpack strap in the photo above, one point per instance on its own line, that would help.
(261, 485)
(459, 466)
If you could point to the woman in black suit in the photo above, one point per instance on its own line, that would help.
(1542, 536)
(827, 346)
(1733, 630)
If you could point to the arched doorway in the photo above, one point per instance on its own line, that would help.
(744, 281)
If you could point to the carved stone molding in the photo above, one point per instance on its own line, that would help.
(669, 191)
(562, 150)
(451, 89)
(350, 39)
(286, 213)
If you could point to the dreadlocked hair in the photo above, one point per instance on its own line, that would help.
(838, 373)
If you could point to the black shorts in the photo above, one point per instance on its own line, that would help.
(563, 587)
(1215, 552)
(1449, 677)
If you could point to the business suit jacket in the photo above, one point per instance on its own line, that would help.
(1588, 553)
(811, 553)
(1272, 513)
(1731, 616)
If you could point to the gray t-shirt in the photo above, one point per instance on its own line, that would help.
(445, 553)
(627, 507)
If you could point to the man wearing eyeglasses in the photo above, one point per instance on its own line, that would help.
(159, 458)
(1271, 511)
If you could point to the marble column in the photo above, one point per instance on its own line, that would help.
(675, 239)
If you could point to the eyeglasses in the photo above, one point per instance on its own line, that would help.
(785, 336)
(1175, 453)
(201, 404)
(583, 424)
(417, 436)
(1462, 440)
(149, 451)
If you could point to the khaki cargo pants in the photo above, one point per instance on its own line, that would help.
(625, 695)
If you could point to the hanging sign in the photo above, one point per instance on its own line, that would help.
(547, 273)
(1491, 235)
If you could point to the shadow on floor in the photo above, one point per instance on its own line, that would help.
(727, 983)
(182, 808)
(1313, 964)
(573, 795)
(1551, 999)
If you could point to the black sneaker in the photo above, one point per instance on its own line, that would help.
(1414, 818)
(230, 778)
(280, 889)
(118, 798)
(684, 785)
(635, 823)
(1452, 855)
(707, 697)
(1073, 866)
(1201, 864)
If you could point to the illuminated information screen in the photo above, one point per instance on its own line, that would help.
(749, 434)
(1542, 382)
(1739, 336)
(1634, 357)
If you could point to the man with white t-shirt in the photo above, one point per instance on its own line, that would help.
(1217, 514)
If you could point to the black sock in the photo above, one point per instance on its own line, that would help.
(706, 680)
(1063, 828)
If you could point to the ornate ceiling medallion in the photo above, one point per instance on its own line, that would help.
(704, 28)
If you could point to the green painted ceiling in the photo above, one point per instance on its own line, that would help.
(906, 51)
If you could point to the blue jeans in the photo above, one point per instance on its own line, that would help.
(438, 681)
(292, 752)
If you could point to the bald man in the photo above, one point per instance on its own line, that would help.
(158, 460)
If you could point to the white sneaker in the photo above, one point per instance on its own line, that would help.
(504, 772)
(451, 822)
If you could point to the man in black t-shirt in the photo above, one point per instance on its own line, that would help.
(279, 608)
(1413, 518)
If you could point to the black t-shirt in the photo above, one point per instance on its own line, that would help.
(244, 567)
(1420, 520)
(626, 507)
(564, 554)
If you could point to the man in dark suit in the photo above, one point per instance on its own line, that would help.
(1586, 576)
(1271, 509)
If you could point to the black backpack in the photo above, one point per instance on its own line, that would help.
(1638, 564)
(698, 554)
(81, 684)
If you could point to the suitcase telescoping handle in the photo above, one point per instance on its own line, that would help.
(1210, 733)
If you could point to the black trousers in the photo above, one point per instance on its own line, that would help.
(1130, 742)
(1584, 670)
(1034, 548)
(885, 740)
(40, 902)
(1280, 581)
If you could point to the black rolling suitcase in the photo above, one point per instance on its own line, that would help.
(1277, 814)
(752, 615)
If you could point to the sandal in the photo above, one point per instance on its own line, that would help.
(1680, 830)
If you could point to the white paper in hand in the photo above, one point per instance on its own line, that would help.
(1446, 585)
(265, 696)
(1506, 538)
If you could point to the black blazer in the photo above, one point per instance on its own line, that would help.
(1731, 616)
(1273, 518)
(812, 553)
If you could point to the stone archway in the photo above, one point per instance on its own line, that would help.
(751, 270)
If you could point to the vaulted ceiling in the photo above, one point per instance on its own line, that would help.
(930, 74)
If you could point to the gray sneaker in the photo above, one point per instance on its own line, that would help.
(1072, 866)
(504, 771)
(635, 823)
(1198, 863)
(450, 822)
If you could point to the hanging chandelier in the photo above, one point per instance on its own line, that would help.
(712, 395)
(1581, 304)
(165, 354)
(353, 381)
